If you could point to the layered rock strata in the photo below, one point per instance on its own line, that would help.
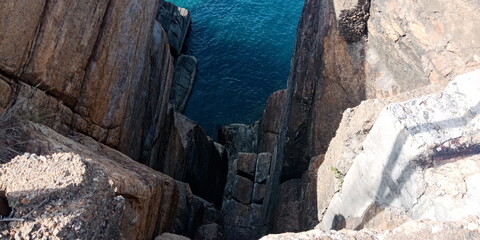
(106, 70)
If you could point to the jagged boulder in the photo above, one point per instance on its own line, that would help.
(414, 163)
(194, 158)
(348, 142)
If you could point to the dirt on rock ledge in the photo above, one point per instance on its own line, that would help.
(61, 196)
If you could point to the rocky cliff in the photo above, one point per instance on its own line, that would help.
(114, 72)
(347, 52)
(110, 77)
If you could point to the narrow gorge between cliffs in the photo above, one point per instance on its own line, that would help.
(306, 118)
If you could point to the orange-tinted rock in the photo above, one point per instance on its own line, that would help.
(107, 63)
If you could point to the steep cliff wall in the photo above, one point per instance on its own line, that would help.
(350, 51)
(106, 69)
(108, 64)
(330, 74)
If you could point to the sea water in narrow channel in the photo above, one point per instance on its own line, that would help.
(244, 48)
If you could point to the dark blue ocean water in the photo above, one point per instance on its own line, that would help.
(243, 49)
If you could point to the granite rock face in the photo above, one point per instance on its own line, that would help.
(429, 41)
(238, 138)
(329, 74)
(194, 158)
(102, 69)
(106, 70)
(422, 158)
(270, 124)
(244, 206)
(88, 61)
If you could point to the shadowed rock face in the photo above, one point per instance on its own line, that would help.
(327, 76)
(194, 158)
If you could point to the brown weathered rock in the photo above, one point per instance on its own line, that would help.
(106, 67)
(153, 202)
(246, 163)
(150, 197)
(5, 93)
(327, 76)
(270, 125)
(421, 42)
(242, 190)
(238, 138)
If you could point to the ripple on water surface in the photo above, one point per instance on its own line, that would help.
(243, 49)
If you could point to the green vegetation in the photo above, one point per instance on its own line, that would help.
(338, 175)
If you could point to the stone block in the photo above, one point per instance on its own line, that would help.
(263, 167)
(246, 163)
(242, 190)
